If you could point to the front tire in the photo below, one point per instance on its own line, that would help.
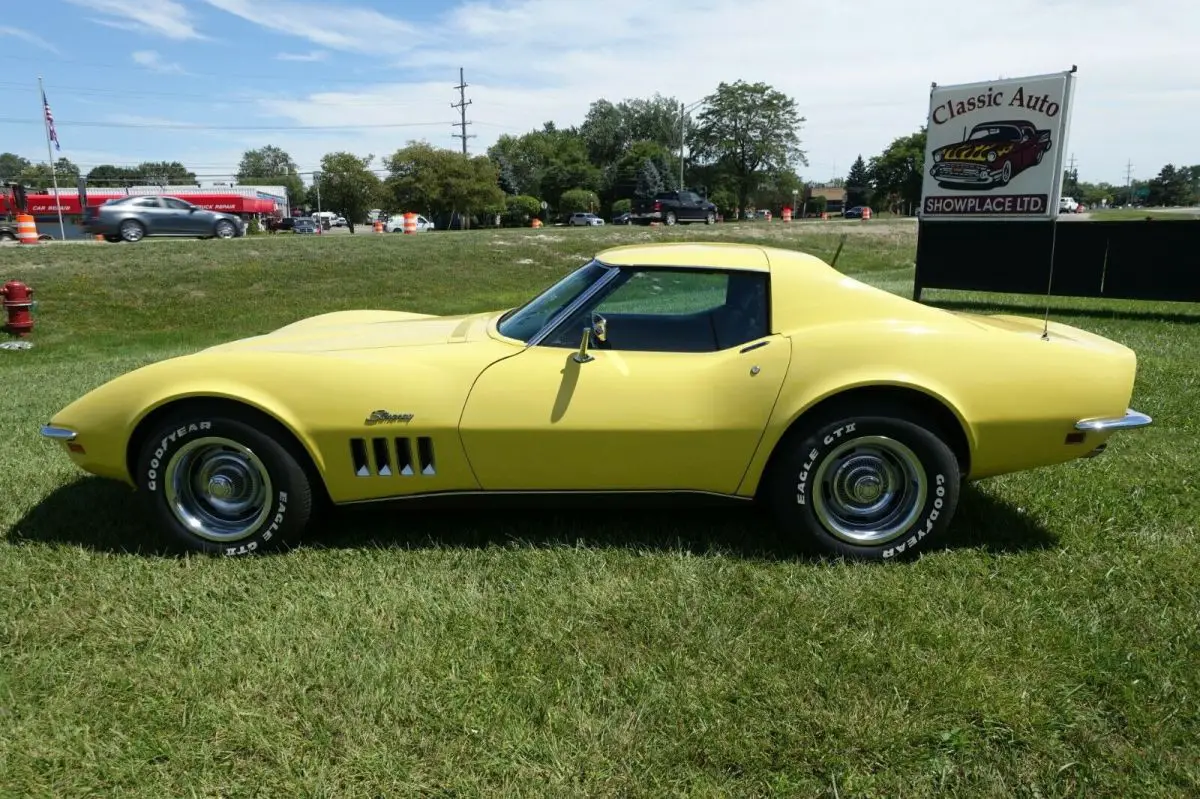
(867, 484)
(223, 483)
(710, 219)
(225, 230)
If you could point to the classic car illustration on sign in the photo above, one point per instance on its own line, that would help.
(996, 149)
(991, 155)
(748, 372)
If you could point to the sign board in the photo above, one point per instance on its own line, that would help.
(996, 149)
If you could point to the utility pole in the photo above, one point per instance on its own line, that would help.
(462, 104)
(1073, 176)
(1129, 182)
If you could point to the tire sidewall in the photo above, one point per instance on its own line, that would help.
(290, 498)
(796, 485)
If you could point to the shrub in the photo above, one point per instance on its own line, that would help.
(574, 200)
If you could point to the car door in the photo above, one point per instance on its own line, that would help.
(178, 217)
(676, 399)
(149, 211)
(690, 206)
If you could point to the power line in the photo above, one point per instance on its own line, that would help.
(462, 104)
(192, 126)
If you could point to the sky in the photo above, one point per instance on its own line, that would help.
(201, 81)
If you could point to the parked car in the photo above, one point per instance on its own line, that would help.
(623, 219)
(137, 216)
(734, 370)
(670, 207)
(304, 224)
(585, 219)
(1068, 205)
(396, 224)
(854, 213)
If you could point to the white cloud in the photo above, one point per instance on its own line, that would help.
(25, 35)
(152, 60)
(337, 27)
(860, 72)
(163, 17)
(312, 55)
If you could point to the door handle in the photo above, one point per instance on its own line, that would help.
(754, 346)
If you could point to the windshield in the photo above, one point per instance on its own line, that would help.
(1005, 132)
(524, 323)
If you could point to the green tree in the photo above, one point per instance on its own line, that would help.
(39, 177)
(439, 181)
(348, 186)
(897, 172)
(574, 200)
(649, 181)
(622, 207)
(12, 165)
(520, 209)
(748, 129)
(165, 173)
(271, 165)
(1173, 186)
(858, 184)
(547, 162)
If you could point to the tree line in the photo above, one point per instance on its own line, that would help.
(742, 151)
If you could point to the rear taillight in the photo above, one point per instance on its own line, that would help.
(657, 205)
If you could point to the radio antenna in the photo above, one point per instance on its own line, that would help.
(1050, 280)
(841, 241)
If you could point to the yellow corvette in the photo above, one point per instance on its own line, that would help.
(727, 369)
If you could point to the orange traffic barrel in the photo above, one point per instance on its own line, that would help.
(866, 214)
(378, 226)
(410, 222)
(26, 229)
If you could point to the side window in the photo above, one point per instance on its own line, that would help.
(145, 202)
(675, 310)
(178, 205)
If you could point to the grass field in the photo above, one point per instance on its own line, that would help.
(1052, 650)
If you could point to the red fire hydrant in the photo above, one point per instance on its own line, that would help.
(18, 300)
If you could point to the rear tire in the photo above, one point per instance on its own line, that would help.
(868, 483)
(670, 218)
(131, 230)
(223, 483)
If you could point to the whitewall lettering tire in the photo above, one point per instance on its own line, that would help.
(865, 486)
(222, 484)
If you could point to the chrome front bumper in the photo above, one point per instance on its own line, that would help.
(1131, 420)
(58, 433)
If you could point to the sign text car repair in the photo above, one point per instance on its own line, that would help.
(995, 149)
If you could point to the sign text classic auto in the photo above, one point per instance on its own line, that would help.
(997, 148)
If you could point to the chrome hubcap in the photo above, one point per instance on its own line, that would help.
(869, 490)
(218, 489)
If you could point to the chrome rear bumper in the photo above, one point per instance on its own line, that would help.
(1131, 420)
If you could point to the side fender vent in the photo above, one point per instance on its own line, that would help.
(381, 460)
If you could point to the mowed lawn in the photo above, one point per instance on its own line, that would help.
(1052, 650)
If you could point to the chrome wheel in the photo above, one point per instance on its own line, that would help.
(131, 231)
(224, 230)
(218, 489)
(869, 490)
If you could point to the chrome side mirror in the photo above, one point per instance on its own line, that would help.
(582, 356)
(600, 327)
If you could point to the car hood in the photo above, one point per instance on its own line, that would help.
(975, 151)
(341, 331)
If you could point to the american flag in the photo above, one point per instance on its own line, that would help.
(50, 122)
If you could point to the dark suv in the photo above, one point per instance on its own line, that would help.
(135, 217)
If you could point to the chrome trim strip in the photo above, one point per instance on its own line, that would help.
(565, 492)
(58, 433)
(575, 305)
(1131, 420)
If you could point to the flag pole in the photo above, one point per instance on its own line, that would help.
(62, 230)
